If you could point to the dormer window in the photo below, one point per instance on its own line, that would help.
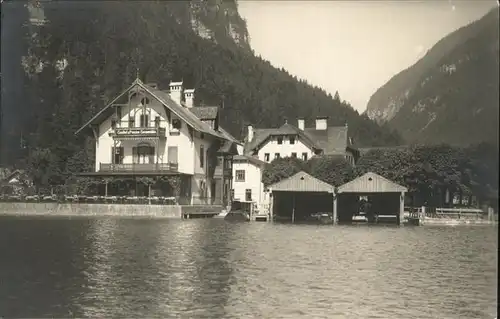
(280, 140)
(175, 126)
(145, 101)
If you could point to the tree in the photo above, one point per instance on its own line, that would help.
(336, 97)
(282, 168)
(99, 40)
(42, 167)
(334, 170)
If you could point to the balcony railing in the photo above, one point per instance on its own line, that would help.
(152, 131)
(225, 172)
(160, 167)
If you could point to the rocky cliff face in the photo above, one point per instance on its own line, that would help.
(451, 94)
(66, 59)
(216, 20)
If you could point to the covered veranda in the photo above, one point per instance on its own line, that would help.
(384, 197)
(299, 196)
(144, 184)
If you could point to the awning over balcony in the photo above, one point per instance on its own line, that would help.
(130, 174)
(159, 169)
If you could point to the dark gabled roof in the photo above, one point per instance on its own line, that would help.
(364, 150)
(261, 135)
(250, 159)
(332, 141)
(181, 111)
(205, 112)
(210, 113)
(229, 136)
(228, 147)
(105, 112)
(166, 100)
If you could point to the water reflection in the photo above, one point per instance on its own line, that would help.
(153, 268)
(40, 267)
(140, 268)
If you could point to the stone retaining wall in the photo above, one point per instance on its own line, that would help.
(83, 209)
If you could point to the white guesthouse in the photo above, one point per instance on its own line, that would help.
(147, 132)
(264, 145)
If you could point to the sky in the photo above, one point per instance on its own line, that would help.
(353, 47)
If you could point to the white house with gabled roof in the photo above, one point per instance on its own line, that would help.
(263, 145)
(148, 132)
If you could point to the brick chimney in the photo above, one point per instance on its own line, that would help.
(176, 91)
(300, 124)
(321, 123)
(189, 97)
(249, 132)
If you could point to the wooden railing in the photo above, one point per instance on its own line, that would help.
(138, 131)
(446, 213)
(160, 167)
(454, 213)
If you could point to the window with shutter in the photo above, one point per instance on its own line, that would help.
(152, 155)
(144, 120)
(202, 156)
(117, 155)
(135, 155)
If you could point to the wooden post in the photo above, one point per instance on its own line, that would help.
(149, 193)
(271, 206)
(334, 208)
(135, 180)
(106, 188)
(293, 208)
(422, 214)
(401, 209)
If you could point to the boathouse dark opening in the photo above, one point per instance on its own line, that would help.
(300, 197)
(301, 206)
(385, 199)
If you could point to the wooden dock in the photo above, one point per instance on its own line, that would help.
(419, 216)
(200, 211)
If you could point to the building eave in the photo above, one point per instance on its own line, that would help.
(109, 105)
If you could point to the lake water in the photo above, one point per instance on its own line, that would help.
(133, 268)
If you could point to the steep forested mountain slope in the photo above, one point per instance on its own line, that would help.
(87, 52)
(451, 94)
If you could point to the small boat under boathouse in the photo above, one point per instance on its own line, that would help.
(302, 197)
(385, 198)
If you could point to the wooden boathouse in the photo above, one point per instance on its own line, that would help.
(301, 195)
(385, 197)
